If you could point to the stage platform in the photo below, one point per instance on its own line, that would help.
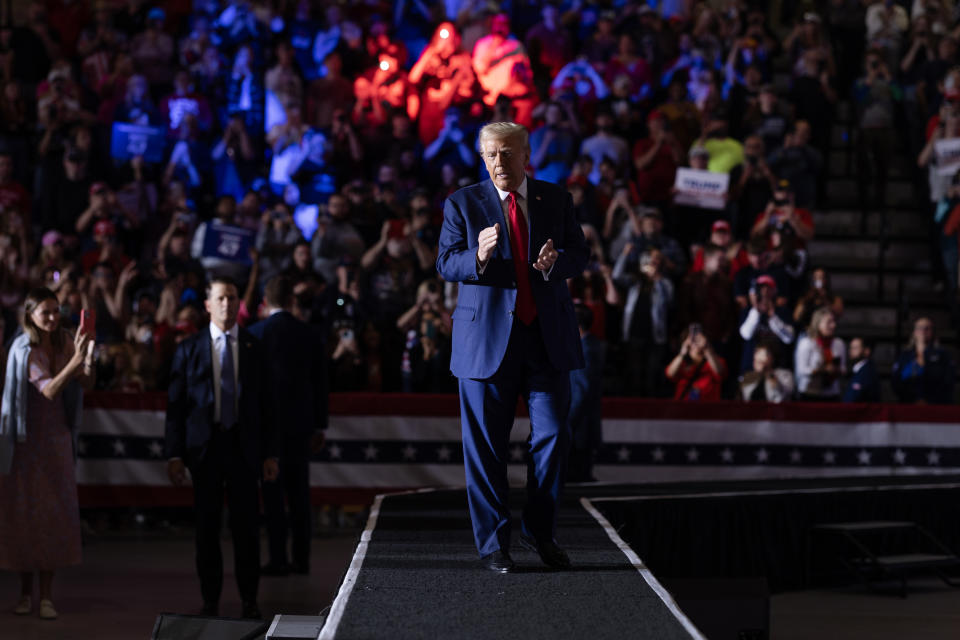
(416, 571)
(416, 574)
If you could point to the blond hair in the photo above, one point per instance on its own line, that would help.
(504, 131)
(813, 329)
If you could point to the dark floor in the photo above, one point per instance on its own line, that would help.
(125, 581)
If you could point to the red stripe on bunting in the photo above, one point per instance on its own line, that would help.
(447, 405)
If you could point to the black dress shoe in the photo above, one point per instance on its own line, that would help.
(250, 611)
(210, 610)
(550, 553)
(274, 569)
(499, 561)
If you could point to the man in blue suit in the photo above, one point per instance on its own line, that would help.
(297, 374)
(512, 243)
(219, 427)
(864, 381)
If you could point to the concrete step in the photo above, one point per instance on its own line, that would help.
(885, 316)
(843, 193)
(900, 223)
(841, 162)
(862, 288)
(901, 255)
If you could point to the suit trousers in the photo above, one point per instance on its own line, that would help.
(487, 409)
(223, 467)
(293, 484)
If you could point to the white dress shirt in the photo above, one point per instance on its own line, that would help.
(218, 340)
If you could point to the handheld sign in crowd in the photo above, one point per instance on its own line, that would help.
(948, 156)
(227, 242)
(129, 140)
(704, 189)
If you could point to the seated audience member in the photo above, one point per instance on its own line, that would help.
(864, 385)
(820, 294)
(697, 371)
(821, 358)
(924, 373)
(765, 382)
(644, 325)
(764, 321)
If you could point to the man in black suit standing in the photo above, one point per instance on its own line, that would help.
(219, 427)
(297, 372)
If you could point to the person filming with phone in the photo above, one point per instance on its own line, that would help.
(47, 372)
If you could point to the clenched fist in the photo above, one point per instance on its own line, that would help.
(487, 243)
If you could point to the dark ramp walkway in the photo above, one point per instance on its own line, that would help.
(416, 575)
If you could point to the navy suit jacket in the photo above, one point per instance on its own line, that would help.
(483, 318)
(864, 385)
(297, 367)
(190, 403)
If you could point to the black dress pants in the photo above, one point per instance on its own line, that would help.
(293, 484)
(224, 470)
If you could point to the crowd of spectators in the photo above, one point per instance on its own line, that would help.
(145, 147)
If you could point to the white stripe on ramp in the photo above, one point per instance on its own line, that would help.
(651, 580)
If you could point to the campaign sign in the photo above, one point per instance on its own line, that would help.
(227, 242)
(129, 140)
(704, 189)
(948, 156)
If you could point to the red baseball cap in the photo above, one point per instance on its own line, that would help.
(98, 186)
(104, 228)
(720, 225)
(767, 281)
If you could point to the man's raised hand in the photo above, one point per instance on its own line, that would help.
(487, 243)
(548, 255)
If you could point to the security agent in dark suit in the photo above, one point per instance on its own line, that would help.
(512, 243)
(864, 383)
(219, 427)
(297, 372)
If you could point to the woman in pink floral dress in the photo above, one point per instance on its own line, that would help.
(42, 402)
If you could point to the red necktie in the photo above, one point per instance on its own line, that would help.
(526, 307)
